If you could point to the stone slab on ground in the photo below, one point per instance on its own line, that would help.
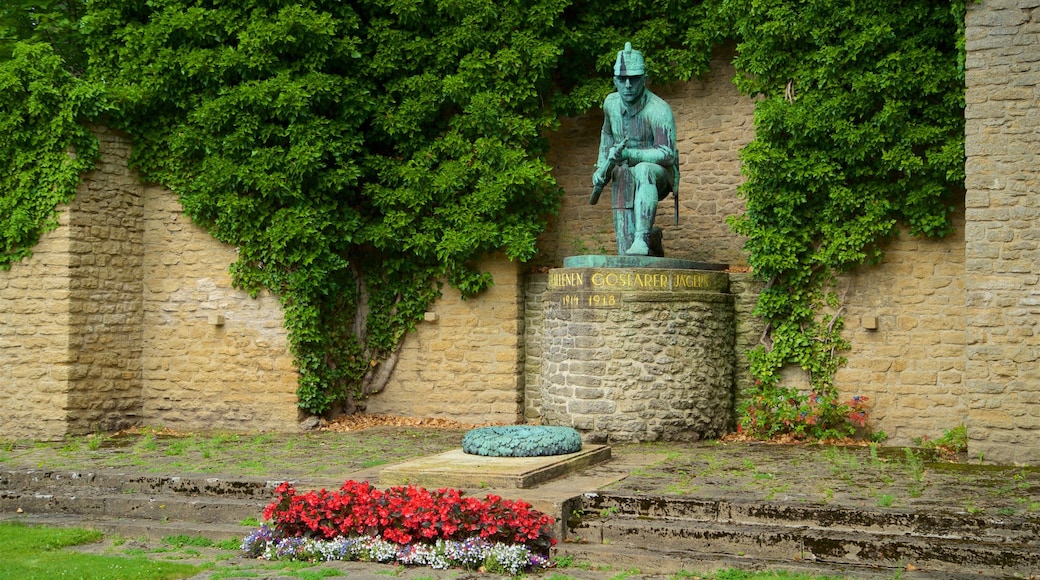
(462, 470)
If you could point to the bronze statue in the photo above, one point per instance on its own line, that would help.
(637, 151)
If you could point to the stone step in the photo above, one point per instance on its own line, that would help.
(838, 519)
(828, 547)
(135, 527)
(629, 531)
(614, 559)
(158, 507)
(119, 482)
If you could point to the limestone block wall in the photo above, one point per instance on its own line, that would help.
(35, 360)
(105, 294)
(70, 314)
(465, 363)
(211, 356)
(125, 315)
(535, 287)
(745, 289)
(905, 321)
(713, 121)
(1002, 237)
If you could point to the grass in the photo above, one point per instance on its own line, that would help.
(30, 552)
(39, 552)
(563, 564)
(291, 456)
(864, 475)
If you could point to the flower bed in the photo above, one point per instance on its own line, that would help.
(404, 524)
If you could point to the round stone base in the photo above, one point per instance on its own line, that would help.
(639, 354)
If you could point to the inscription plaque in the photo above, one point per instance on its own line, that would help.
(589, 299)
(606, 280)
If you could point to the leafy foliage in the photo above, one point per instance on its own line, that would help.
(52, 22)
(859, 127)
(354, 153)
(44, 146)
(358, 152)
(676, 37)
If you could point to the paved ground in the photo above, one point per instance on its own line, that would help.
(854, 476)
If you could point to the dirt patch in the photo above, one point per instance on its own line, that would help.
(361, 421)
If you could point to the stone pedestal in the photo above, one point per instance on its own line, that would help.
(639, 354)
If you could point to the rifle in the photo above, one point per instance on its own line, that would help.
(675, 194)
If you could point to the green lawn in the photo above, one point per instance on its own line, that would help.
(35, 553)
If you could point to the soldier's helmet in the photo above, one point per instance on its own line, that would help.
(629, 62)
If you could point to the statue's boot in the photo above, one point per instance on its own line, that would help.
(657, 242)
(645, 207)
(640, 245)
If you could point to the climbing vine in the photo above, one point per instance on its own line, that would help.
(859, 128)
(44, 147)
(357, 152)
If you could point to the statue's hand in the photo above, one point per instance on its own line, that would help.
(599, 181)
(617, 152)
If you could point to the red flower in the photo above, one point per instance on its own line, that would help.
(405, 514)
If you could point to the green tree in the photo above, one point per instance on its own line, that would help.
(52, 22)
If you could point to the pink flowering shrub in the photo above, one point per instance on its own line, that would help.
(406, 515)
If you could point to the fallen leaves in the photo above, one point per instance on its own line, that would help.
(361, 421)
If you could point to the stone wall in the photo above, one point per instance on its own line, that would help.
(105, 230)
(464, 363)
(35, 357)
(1002, 238)
(70, 314)
(535, 287)
(905, 321)
(212, 357)
(745, 289)
(638, 354)
(125, 315)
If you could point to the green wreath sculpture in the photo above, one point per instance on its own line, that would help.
(521, 441)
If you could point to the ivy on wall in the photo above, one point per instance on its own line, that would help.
(354, 152)
(357, 152)
(44, 148)
(51, 22)
(859, 127)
